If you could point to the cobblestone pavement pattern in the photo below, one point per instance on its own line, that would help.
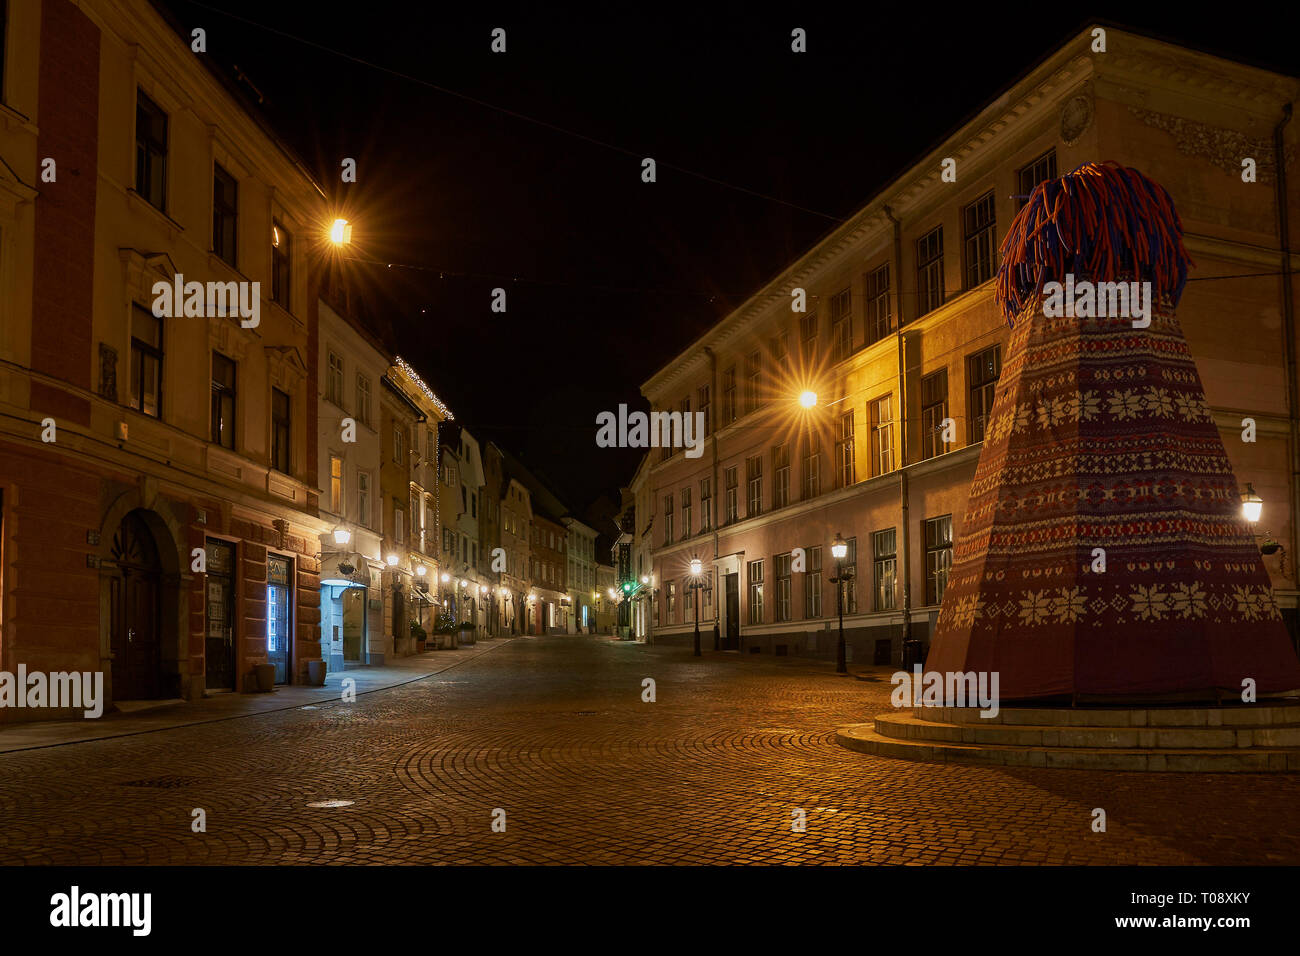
(554, 732)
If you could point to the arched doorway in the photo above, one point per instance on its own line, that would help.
(134, 608)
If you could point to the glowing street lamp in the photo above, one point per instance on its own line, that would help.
(342, 535)
(807, 398)
(421, 570)
(392, 560)
(839, 551)
(1252, 505)
(696, 583)
(341, 232)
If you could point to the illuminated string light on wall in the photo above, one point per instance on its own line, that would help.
(428, 392)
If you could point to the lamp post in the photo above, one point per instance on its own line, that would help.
(696, 584)
(840, 550)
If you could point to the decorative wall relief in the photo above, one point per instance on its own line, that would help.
(1225, 148)
(107, 372)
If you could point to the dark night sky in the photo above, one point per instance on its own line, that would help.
(615, 276)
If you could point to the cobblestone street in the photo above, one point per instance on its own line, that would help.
(554, 732)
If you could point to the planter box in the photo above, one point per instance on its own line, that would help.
(263, 678)
(465, 636)
(316, 673)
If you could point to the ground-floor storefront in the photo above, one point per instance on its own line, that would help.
(168, 592)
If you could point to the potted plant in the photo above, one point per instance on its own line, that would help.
(445, 629)
(420, 635)
(466, 629)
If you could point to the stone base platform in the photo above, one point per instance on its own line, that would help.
(1244, 738)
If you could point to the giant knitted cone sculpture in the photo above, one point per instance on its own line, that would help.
(1100, 438)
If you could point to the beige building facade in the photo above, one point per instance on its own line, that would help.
(901, 344)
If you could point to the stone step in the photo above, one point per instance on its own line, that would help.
(863, 738)
(1233, 715)
(906, 725)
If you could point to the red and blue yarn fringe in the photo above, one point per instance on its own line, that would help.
(1101, 222)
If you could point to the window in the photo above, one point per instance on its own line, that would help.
(882, 435)
(844, 450)
(884, 567)
(363, 498)
(686, 513)
(672, 600)
(417, 532)
(225, 214)
(706, 590)
(938, 557)
(781, 352)
(729, 396)
(399, 445)
(755, 592)
(334, 379)
(146, 362)
(399, 524)
(929, 271)
(808, 340)
(280, 458)
(781, 476)
(223, 401)
(150, 151)
(363, 400)
(705, 409)
(934, 409)
(981, 235)
(473, 504)
(1037, 171)
(982, 371)
(812, 583)
(448, 541)
(879, 318)
(754, 483)
(706, 504)
(731, 505)
(841, 325)
(336, 485)
(668, 519)
(281, 250)
(753, 369)
(782, 609)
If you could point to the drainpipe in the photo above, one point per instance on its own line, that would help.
(714, 497)
(1288, 328)
(906, 543)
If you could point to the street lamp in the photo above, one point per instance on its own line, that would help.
(808, 398)
(341, 232)
(392, 560)
(1252, 505)
(839, 551)
(695, 585)
(342, 536)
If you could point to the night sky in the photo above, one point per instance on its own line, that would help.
(608, 277)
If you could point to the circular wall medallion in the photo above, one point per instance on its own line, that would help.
(1076, 117)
